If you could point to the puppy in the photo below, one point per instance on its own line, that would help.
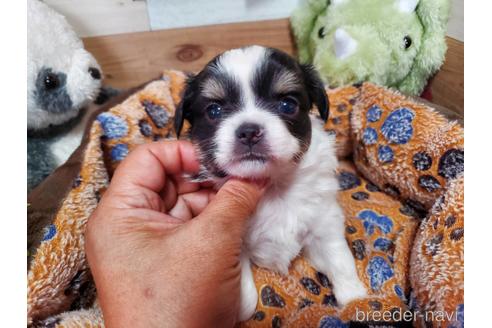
(249, 111)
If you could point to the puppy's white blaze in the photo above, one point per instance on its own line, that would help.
(241, 64)
(282, 144)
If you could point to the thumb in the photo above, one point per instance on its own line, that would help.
(233, 204)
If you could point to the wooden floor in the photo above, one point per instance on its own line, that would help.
(130, 59)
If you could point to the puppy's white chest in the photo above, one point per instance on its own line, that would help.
(287, 214)
(276, 234)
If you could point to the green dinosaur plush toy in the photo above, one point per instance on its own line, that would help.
(395, 43)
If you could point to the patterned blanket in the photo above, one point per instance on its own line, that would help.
(401, 179)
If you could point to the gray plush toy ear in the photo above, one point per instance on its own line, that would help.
(316, 91)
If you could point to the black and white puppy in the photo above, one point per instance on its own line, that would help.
(249, 111)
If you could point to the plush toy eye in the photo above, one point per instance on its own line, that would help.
(51, 81)
(407, 42)
(95, 73)
(288, 105)
(214, 111)
(321, 32)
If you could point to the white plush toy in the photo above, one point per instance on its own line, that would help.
(62, 78)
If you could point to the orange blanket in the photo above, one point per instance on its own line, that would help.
(402, 193)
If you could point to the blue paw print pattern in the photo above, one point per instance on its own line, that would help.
(460, 314)
(113, 126)
(372, 220)
(119, 152)
(385, 154)
(459, 317)
(399, 292)
(157, 113)
(332, 322)
(383, 244)
(397, 128)
(374, 113)
(379, 272)
(49, 232)
(412, 302)
(370, 136)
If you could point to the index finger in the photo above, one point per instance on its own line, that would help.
(148, 165)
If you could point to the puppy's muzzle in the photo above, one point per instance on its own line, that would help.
(249, 134)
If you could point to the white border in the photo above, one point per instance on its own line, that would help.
(13, 160)
(478, 110)
(478, 160)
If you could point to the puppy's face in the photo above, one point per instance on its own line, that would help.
(249, 112)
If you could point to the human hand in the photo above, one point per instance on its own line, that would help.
(164, 252)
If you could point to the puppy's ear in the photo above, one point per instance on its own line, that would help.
(183, 111)
(316, 90)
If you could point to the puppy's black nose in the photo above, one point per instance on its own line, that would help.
(95, 73)
(249, 133)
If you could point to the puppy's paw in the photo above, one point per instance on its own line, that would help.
(249, 299)
(349, 291)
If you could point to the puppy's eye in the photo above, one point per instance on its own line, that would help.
(214, 111)
(407, 42)
(288, 105)
(51, 81)
(321, 32)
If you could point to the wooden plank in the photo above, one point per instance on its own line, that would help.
(134, 58)
(130, 59)
(447, 86)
